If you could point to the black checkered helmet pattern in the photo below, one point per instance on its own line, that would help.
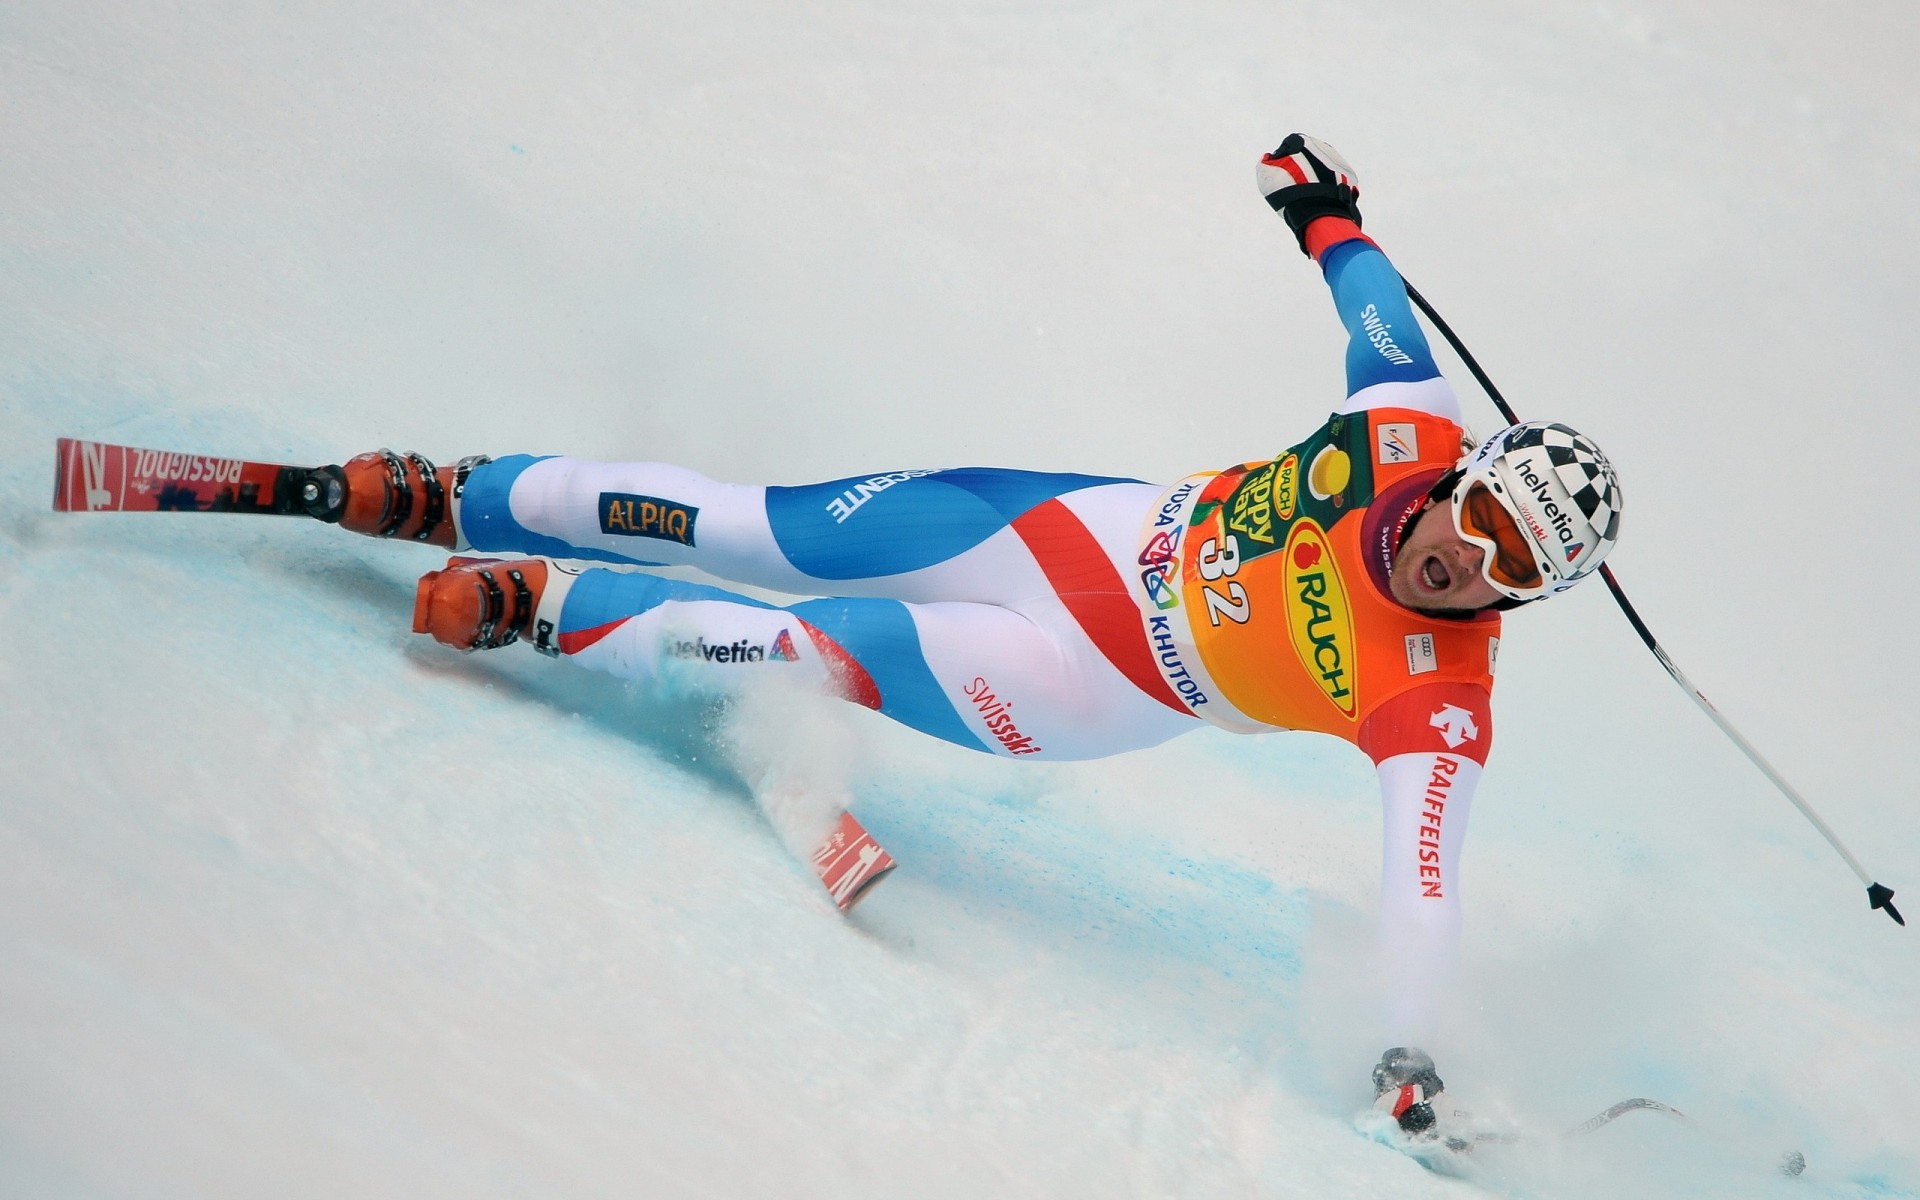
(1562, 492)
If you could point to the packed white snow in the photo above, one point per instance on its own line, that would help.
(294, 903)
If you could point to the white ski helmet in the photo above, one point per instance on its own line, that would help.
(1560, 492)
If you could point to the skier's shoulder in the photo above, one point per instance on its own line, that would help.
(1429, 403)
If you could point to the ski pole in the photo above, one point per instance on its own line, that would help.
(1878, 895)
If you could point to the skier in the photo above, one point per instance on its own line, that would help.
(1352, 585)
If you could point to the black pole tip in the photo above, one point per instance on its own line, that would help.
(1881, 896)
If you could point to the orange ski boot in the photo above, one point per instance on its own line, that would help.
(402, 496)
(484, 603)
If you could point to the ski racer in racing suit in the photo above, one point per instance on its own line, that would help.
(1349, 585)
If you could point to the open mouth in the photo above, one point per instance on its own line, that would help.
(1434, 574)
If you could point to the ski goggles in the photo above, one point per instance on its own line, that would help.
(1509, 563)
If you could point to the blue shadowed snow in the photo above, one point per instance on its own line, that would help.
(1128, 896)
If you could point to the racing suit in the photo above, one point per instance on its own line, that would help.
(1065, 616)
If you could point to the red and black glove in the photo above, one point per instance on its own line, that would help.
(1404, 1084)
(1306, 179)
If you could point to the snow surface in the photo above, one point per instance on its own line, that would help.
(293, 903)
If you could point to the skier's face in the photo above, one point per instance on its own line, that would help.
(1436, 570)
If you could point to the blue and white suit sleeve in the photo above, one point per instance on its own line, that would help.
(1388, 362)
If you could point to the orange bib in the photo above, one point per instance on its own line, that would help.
(1283, 582)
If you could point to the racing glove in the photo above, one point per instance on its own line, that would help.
(1305, 179)
(1405, 1084)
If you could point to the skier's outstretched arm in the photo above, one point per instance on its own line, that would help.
(1426, 794)
(1425, 799)
(1388, 361)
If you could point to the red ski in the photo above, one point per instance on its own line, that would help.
(99, 477)
(849, 862)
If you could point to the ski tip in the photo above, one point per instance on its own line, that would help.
(1881, 896)
(849, 862)
(866, 885)
(62, 452)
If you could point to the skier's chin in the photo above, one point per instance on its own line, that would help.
(1440, 610)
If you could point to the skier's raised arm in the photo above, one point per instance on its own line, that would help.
(1388, 362)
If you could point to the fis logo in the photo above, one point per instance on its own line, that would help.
(1397, 442)
(628, 515)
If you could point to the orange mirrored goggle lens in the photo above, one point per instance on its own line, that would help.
(1483, 516)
